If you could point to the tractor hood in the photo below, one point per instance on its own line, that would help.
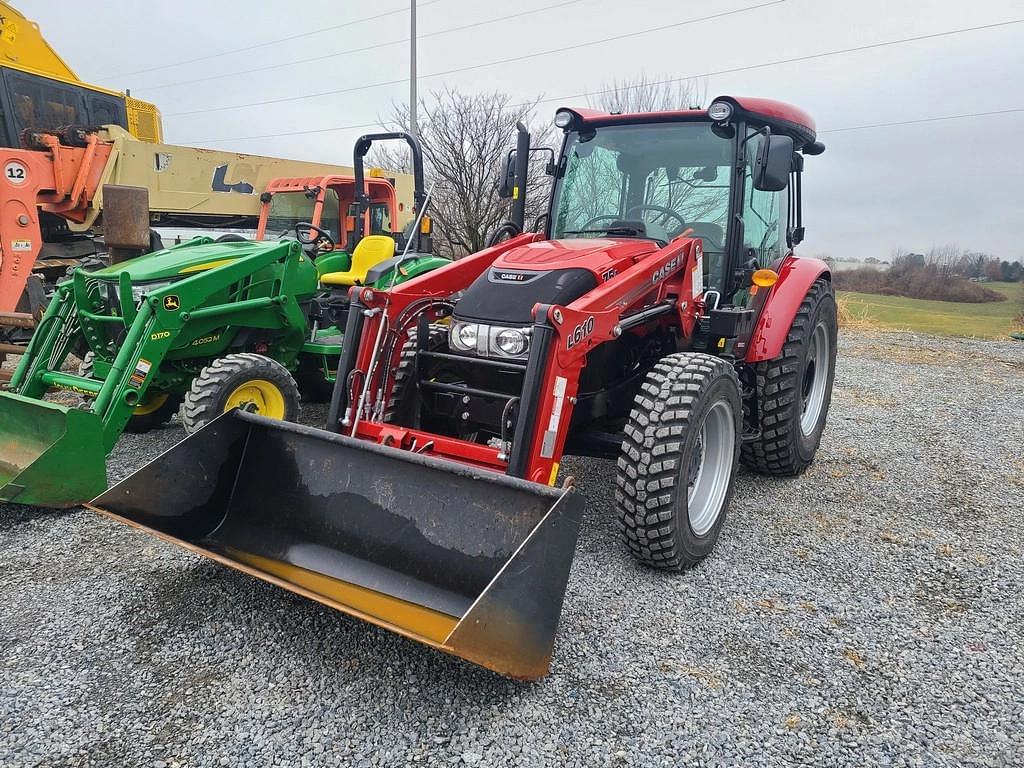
(597, 255)
(190, 257)
(546, 272)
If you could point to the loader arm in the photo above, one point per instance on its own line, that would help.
(357, 358)
(562, 337)
(152, 329)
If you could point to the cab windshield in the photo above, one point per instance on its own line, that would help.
(290, 208)
(654, 181)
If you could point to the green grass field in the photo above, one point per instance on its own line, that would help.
(990, 320)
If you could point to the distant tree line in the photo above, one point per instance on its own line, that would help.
(951, 261)
(945, 273)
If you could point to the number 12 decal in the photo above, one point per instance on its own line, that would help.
(15, 172)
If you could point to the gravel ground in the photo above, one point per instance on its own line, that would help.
(868, 613)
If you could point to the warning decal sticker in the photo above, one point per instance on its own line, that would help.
(140, 373)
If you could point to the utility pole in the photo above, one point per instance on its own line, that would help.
(412, 68)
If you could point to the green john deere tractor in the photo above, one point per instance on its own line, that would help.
(206, 325)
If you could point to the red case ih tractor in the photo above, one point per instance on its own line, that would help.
(658, 317)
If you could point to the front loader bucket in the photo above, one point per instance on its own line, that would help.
(468, 561)
(50, 456)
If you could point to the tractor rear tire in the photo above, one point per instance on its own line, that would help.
(680, 450)
(794, 390)
(245, 380)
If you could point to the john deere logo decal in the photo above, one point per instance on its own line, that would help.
(172, 303)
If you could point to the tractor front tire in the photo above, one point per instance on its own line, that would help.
(155, 410)
(242, 380)
(680, 450)
(794, 390)
(400, 402)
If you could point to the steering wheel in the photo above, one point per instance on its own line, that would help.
(310, 234)
(596, 219)
(666, 213)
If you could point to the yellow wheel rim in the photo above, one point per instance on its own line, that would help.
(262, 395)
(150, 404)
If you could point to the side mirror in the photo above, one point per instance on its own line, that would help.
(507, 182)
(773, 164)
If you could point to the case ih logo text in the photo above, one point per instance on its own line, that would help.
(664, 271)
(512, 277)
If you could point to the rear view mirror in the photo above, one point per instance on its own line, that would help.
(507, 181)
(774, 163)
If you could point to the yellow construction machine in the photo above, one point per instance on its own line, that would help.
(39, 91)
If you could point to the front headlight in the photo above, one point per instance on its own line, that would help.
(488, 340)
(142, 289)
(464, 336)
(510, 341)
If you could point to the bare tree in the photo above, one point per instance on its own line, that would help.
(646, 94)
(466, 139)
(944, 258)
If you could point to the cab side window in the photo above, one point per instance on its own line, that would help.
(764, 216)
(41, 104)
(330, 218)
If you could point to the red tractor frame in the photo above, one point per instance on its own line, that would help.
(677, 351)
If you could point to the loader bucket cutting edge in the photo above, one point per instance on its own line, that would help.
(464, 560)
(50, 455)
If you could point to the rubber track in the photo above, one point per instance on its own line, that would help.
(648, 467)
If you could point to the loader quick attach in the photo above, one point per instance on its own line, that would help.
(659, 318)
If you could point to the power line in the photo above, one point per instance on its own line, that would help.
(732, 70)
(483, 65)
(378, 46)
(796, 59)
(935, 119)
(297, 36)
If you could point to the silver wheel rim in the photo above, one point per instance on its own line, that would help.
(710, 467)
(812, 394)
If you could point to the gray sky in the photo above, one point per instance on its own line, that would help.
(953, 181)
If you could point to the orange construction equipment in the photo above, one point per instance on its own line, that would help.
(51, 178)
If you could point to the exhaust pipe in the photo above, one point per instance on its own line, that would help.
(464, 560)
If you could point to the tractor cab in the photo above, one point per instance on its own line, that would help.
(328, 202)
(722, 175)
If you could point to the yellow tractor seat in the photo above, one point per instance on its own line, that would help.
(370, 251)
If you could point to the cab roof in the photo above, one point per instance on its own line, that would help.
(780, 116)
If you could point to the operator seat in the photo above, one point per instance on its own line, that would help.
(711, 234)
(369, 252)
